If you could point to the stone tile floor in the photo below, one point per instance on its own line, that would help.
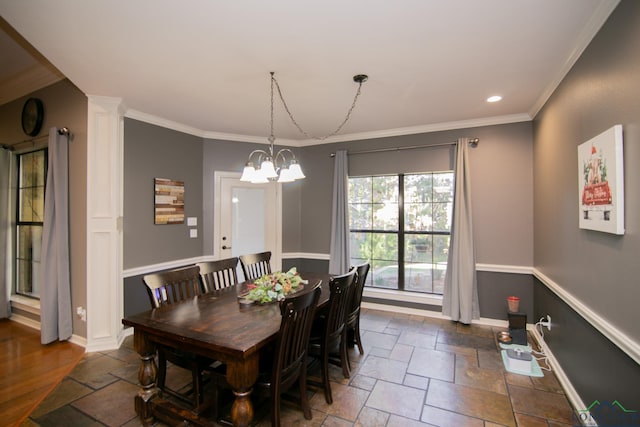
(415, 371)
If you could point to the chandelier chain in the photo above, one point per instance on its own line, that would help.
(293, 120)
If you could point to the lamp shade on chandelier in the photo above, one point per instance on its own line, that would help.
(265, 166)
(281, 167)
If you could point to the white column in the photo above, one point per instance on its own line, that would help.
(105, 142)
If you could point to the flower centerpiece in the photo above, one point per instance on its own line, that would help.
(274, 286)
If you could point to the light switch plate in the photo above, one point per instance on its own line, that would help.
(192, 221)
(193, 233)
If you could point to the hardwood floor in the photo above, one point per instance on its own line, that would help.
(30, 370)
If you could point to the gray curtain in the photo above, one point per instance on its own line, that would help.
(55, 286)
(340, 258)
(5, 170)
(460, 300)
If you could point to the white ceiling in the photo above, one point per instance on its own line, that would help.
(203, 66)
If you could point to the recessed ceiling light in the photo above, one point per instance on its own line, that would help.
(494, 98)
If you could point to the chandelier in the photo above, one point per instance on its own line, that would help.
(264, 166)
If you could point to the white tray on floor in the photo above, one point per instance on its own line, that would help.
(535, 368)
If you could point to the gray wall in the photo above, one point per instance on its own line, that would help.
(603, 89)
(601, 270)
(502, 198)
(228, 156)
(502, 182)
(596, 367)
(502, 195)
(154, 152)
(64, 105)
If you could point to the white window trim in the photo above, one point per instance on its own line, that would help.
(29, 305)
(404, 296)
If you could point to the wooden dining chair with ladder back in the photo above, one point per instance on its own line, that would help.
(327, 344)
(352, 317)
(218, 274)
(289, 361)
(255, 265)
(171, 287)
(285, 363)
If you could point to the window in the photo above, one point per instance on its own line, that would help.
(401, 224)
(32, 172)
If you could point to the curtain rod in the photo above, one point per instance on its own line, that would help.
(472, 142)
(61, 131)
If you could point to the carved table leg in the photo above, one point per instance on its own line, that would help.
(147, 376)
(242, 409)
(242, 375)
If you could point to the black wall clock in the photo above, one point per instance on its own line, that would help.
(32, 116)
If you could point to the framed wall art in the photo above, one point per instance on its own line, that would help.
(169, 201)
(601, 182)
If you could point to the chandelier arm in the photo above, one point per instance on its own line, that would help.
(270, 166)
(260, 153)
(281, 154)
(293, 120)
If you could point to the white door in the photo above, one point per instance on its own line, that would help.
(248, 218)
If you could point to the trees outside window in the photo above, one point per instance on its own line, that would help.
(32, 173)
(401, 224)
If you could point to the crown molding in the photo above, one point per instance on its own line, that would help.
(250, 138)
(179, 127)
(159, 121)
(411, 130)
(489, 121)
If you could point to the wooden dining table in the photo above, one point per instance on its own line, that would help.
(215, 325)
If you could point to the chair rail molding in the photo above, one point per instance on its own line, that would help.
(105, 301)
(615, 335)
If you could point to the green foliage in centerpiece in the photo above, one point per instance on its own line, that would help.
(274, 286)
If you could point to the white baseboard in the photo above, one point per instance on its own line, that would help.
(430, 313)
(405, 297)
(126, 332)
(78, 340)
(34, 324)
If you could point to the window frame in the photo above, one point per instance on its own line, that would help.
(403, 234)
(18, 222)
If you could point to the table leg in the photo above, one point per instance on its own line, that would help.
(241, 376)
(147, 375)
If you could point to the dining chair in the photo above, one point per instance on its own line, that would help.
(216, 275)
(166, 288)
(255, 265)
(169, 287)
(289, 362)
(328, 329)
(284, 364)
(352, 317)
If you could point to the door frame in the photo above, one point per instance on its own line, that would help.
(276, 255)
